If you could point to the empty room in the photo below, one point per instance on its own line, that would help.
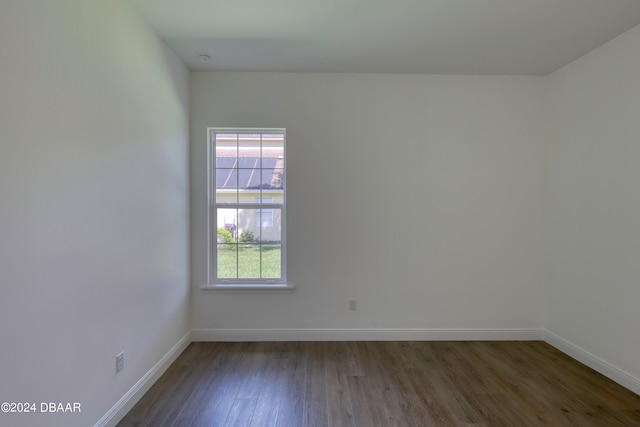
(319, 213)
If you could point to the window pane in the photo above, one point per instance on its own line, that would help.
(248, 179)
(226, 162)
(264, 199)
(271, 261)
(248, 228)
(272, 161)
(271, 233)
(226, 178)
(226, 150)
(227, 261)
(273, 146)
(269, 176)
(272, 178)
(226, 186)
(249, 146)
(249, 162)
(249, 261)
(227, 219)
(264, 217)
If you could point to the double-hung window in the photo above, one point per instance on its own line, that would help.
(247, 245)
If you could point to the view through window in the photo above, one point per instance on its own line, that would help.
(247, 205)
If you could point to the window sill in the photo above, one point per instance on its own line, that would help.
(266, 288)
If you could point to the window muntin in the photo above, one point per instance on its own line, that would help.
(247, 199)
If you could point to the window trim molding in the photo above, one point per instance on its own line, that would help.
(239, 288)
(242, 285)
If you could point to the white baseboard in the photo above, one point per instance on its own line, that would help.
(608, 370)
(341, 334)
(124, 405)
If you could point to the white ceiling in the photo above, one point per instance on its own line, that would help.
(388, 36)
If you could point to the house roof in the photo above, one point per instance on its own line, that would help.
(249, 173)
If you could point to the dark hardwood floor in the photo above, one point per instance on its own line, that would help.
(382, 384)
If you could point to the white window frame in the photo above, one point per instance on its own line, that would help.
(235, 285)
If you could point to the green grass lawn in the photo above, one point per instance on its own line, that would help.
(246, 262)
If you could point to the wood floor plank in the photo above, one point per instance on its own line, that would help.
(396, 356)
(431, 401)
(315, 394)
(364, 408)
(517, 389)
(266, 412)
(339, 409)
(241, 413)
(291, 407)
(391, 403)
(321, 384)
(218, 400)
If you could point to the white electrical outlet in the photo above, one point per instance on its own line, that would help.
(353, 305)
(120, 362)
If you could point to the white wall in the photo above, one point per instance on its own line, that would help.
(419, 196)
(94, 204)
(593, 200)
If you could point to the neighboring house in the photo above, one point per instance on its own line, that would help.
(252, 178)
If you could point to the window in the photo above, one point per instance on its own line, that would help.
(247, 244)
